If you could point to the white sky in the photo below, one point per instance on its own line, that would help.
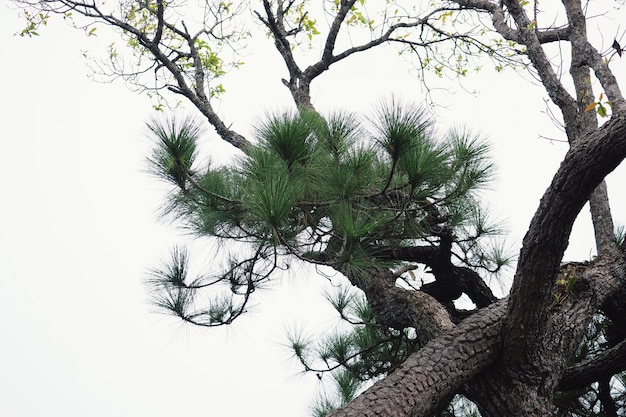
(78, 234)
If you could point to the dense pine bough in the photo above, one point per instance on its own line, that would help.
(329, 192)
(388, 203)
(388, 199)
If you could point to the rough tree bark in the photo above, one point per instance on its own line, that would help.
(538, 333)
(532, 352)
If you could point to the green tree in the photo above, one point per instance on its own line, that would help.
(510, 357)
(375, 205)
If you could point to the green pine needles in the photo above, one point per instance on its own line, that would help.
(353, 356)
(335, 191)
(358, 195)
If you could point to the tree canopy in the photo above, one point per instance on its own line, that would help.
(327, 192)
(379, 199)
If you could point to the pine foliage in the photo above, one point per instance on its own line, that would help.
(324, 190)
(340, 191)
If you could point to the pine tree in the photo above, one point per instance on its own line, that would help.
(386, 202)
(390, 203)
(386, 198)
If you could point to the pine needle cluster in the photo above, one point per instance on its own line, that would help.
(341, 191)
(336, 190)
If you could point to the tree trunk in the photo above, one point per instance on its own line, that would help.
(422, 384)
(531, 337)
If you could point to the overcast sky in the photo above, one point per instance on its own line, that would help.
(78, 232)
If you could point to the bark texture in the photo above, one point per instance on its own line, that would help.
(420, 386)
(540, 326)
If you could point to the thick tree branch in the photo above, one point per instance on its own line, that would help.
(589, 56)
(335, 27)
(425, 380)
(399, 308)
(274, 22)
(550, 80)
(606, 364)
(580, 72)
(498, 18)
(583, 168)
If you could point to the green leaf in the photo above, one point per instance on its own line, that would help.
(347, 385)
(355, 223)
(471, 160)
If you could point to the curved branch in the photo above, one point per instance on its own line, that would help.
(328, 58)
(604, 74)
(200, 100)
(274, 22)
(585, 165)
(426, 379)
(606, 364)
(450, 280)
(329, 45)
(498, 19)
(555, 89)
(399, 308)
